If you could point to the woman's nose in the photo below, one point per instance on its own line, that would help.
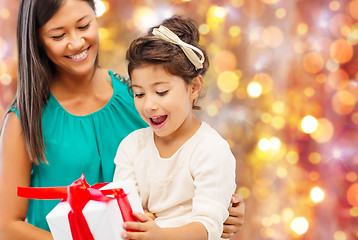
(76, 42)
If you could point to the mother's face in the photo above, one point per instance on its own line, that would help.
(70, 38)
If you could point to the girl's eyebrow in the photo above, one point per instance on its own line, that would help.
(59, 28)
(154, 84)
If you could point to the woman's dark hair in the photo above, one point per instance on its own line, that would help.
(35, 71)
(149, 50)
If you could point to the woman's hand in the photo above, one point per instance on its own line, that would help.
(234, 222)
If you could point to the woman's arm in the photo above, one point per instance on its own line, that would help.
(15, 170)
(234, 222)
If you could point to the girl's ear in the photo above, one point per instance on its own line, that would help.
(195, 87)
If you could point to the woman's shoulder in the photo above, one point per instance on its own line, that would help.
(114, 76)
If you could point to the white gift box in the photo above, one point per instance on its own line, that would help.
(103, 218)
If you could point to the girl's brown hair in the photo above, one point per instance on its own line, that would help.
(152, 50)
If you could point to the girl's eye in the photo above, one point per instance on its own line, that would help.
(162, 93)
(84, 27)
(138, 95)
(58, 37)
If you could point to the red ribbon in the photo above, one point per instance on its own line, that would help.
(77, 195)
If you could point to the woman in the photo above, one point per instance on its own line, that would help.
(68, 117)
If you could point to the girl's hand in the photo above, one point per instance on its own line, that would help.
(234, 222)
(146, 229)
(150, 214)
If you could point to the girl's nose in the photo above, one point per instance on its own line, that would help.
(150, 104)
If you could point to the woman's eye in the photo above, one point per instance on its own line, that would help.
(85, 26)
(58, 37)
(162, 93)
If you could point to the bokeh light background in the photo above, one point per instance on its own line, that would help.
(282, 89)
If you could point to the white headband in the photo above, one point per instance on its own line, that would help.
(167, 35)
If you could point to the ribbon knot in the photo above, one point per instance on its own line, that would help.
(77, 196)
(165, 34)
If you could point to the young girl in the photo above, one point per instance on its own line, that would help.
(184, 170)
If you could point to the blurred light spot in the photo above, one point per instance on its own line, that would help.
(353, 9)
(278, 107)
(302, 28)
(244, 192)
(4, 13)
(337, 153)
(315, 158)
(281, 172)
(313, 62)
(339, 235)
(100, 7)
(309, 124)
(354, 212)
(204, 29)
(212, 110)
(104, 33)
(266, 117)
(254, 89)
(280, 13)
(270, 1)
(264, 144)
(255, 34)
(321, 78)
(278, 122)
(351, 176)
(354, 118)
(334, 5)
(266, 221)
(228, 81)
(317, 194)
(220, 12)
(234, 31)
(332, 65)
(275, 143)
(338, 79)
(300, 47)
(264, 80)
(324, 131)
(144, 18)
(352, 195)
(226, 97)
(225, 61)
(341, 51)
(107, 45)
(237, 3)
(346, 30)
(343, 102)
(272, 37)
(292, 157)
(299, 225)
(309, 92)
(287, 214)
(313, 176)
(5, 79)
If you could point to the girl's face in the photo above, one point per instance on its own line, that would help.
(70, 38)
(164, 101)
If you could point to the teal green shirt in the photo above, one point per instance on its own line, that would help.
(81, 144)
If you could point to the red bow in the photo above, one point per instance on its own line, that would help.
(77, 195)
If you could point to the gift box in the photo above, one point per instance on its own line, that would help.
(89, 212)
